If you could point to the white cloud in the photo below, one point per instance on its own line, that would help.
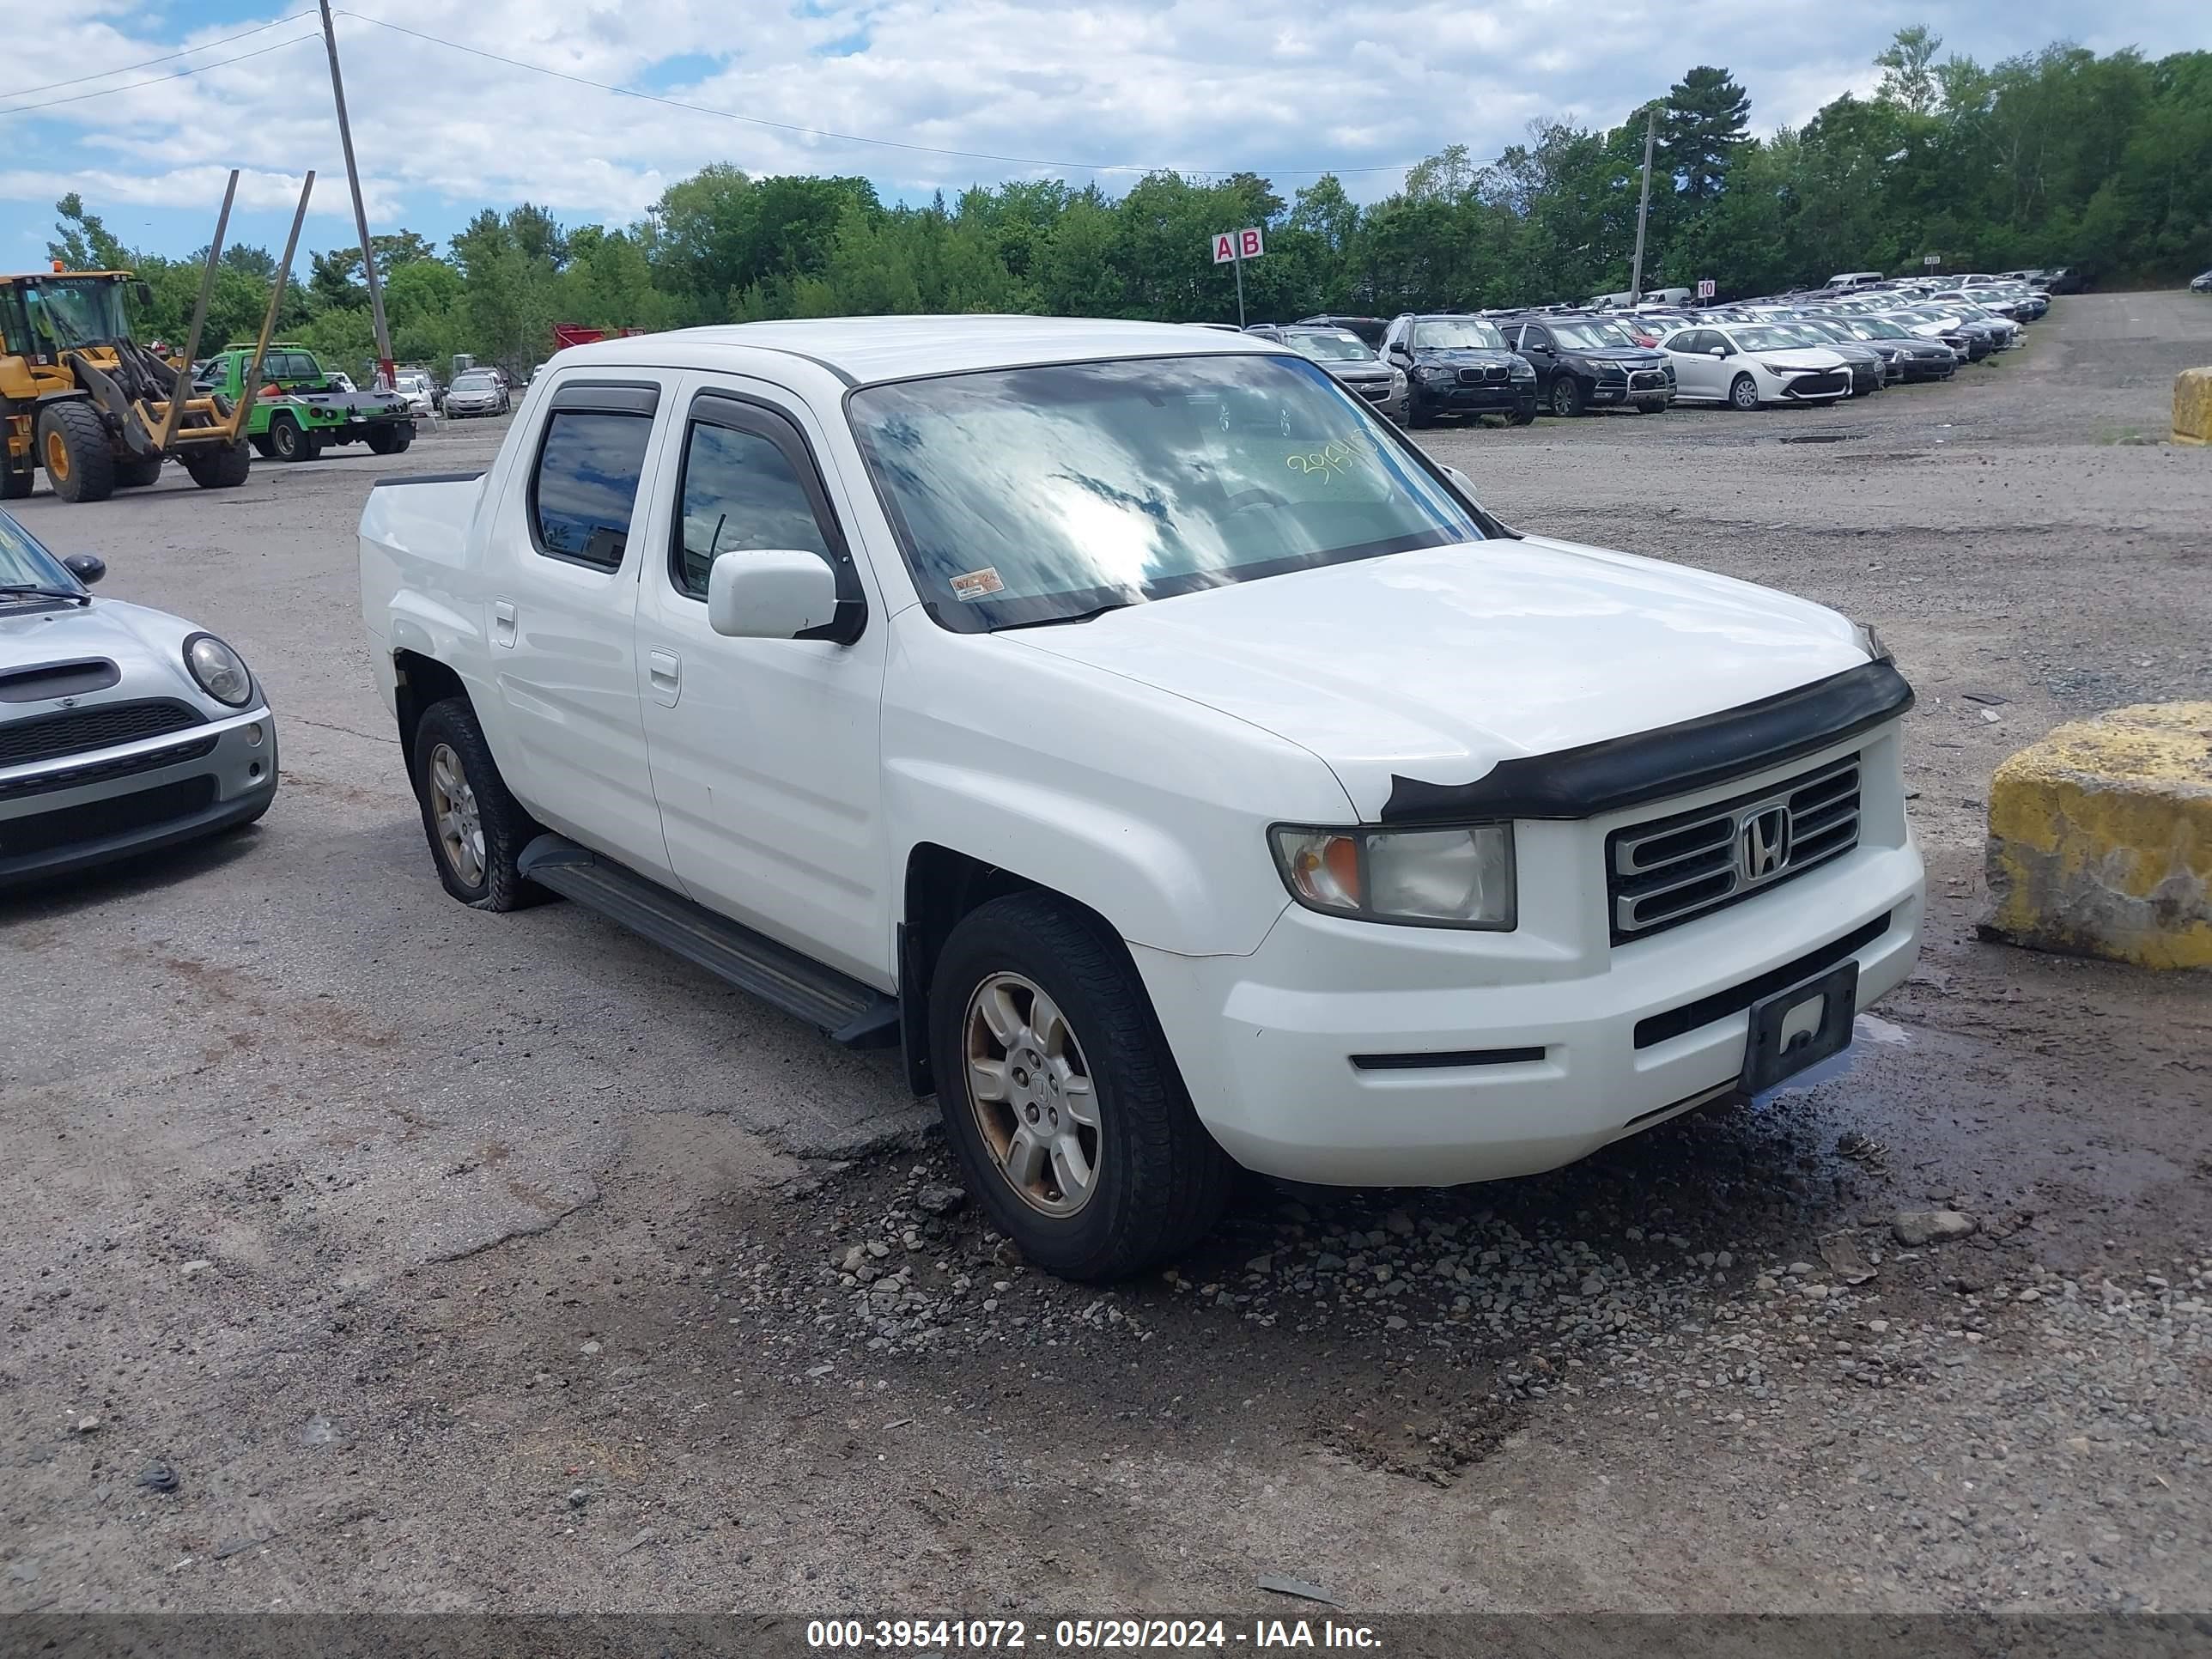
(1196, 84)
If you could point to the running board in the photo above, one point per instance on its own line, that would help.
(849, 1012)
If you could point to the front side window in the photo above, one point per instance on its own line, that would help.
(24, 560)
(585, 484)
(1039, 494)
(741, 494)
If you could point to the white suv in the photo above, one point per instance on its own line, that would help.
(1183, 770)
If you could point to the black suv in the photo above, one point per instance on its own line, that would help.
(1457, 364)
(1589, 362)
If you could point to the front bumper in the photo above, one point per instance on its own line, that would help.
(1490, 1055)
(1484, 398)
(77, 810)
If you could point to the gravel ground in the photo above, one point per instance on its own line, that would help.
(362, 1251)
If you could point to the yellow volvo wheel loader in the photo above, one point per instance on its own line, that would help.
(80, 397)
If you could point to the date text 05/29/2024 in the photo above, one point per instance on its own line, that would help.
(944, 1636)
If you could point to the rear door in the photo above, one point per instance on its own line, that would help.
(566, 546)
(766, 754)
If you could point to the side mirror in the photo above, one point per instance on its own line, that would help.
(1718, 351)
(774, 595)
(87, 568)
(1461, 482)
(142, 292)
(1399, 349)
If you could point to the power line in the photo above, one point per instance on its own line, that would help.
(820, 132)
(168, 57)
(156, 80)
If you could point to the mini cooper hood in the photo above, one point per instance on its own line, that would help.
(1437, 665)
(146, 646)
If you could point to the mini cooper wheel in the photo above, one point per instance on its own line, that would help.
(1060, 1097)
(476, 830)
(1743, 392)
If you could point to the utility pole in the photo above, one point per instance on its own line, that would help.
(360, 214)
(1642, 207)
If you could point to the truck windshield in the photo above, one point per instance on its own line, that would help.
(1046, 495)
(68, 311)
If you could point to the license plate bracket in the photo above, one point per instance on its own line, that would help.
(1799, 1026)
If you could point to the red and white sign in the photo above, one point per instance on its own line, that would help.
(1247, 244)
(1705, 288)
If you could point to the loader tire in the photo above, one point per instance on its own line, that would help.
(74, 448)
(225, 468)
(138, 472)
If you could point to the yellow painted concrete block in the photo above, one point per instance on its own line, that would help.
(2100, 838)
(2192, 406)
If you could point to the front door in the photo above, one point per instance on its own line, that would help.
(563, 565)
(1697, 375)
(766, 755)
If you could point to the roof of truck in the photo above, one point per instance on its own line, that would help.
(861, 350)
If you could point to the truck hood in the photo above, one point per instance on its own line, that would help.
(1437, 666)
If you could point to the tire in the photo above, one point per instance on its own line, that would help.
(1523, 416)
(1418, 414)
(219, 469)
(1566, 396)
(70, 436)
(1743, 393)
(138, 473)
(288, 442)
(389, 440)
(487, 820)
(1157, 1181)
(262, 446)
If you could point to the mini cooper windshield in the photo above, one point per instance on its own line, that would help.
(1048, 495)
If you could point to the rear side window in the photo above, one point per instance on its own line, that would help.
(741, 494)
(585, 483)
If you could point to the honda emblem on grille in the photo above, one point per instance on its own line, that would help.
(1762, 843)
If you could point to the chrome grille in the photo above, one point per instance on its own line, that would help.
(1662, 873)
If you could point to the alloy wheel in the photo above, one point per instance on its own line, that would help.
(1032, 1095)
(453, 810)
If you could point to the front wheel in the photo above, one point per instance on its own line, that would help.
(1060, 1097)
(1522, 417)
(290, 442)
(73, 446)
(1566, 396)
(1743, 392)
(138, 473)
(476, 830)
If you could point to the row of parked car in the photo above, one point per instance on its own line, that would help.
(1810, 347)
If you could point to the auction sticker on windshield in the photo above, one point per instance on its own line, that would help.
(976, 585)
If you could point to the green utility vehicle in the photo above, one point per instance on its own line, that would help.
(300, 408)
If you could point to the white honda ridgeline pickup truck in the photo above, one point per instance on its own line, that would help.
(1181, 767)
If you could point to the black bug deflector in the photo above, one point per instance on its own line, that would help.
(1673, 760)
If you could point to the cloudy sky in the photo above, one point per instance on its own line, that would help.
(1104, 90)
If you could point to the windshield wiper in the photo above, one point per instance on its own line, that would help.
(40, 590)
(1073, 617)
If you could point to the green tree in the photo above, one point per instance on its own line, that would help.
(1908, 72)
(1705, 123)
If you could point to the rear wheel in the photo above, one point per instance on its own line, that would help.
(262, 446)
(74, 449)
(1743, 392)
(218, 468)
(389, 440)
(138, 472)
(1059, 1094)
(476, 830)
(1566, 396)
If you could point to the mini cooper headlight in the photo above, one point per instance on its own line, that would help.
(219, 670)
(1456, 877)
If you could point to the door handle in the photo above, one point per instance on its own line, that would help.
(665, 675)
(503, 621)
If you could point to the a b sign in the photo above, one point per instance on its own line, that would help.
(1238, 245)
(1705, 288)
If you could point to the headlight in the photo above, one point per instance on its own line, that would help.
(1435, 371)
(1397, 380)
(1460, 878)
(1782, 368)
(1870, 642)
(219, 670)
